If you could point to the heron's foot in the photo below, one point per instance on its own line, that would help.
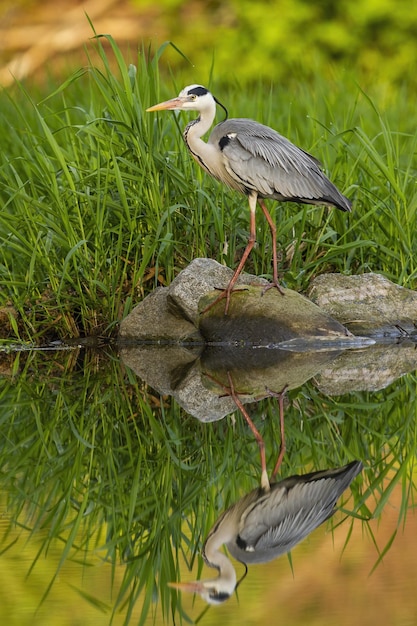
(276, 394)
(225, 294)
(221, 296)
(271, 285)
(229, 390)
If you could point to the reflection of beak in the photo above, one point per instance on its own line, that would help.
(174, 103)
(195, 587)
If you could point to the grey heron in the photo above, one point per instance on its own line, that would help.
(254, 160)
(267, 523)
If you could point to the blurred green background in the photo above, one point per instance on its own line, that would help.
(241, 41)
(292, 39)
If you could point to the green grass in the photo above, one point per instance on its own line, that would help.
(101, 201)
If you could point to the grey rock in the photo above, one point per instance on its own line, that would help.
(201, 277)
(367, 304)
(367, 370)
(267, 340)
(178, 313)
(153, 320)
(176, 371)
(267, 319)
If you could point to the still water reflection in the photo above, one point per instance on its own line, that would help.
(267, 523)
(108, 490)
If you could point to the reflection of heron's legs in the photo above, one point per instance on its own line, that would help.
(280, 396)
(257, 435)
(273, 228)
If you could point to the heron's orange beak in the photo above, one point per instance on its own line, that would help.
(193, 587)
(168, 105)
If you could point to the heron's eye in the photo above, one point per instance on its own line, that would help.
(217, 597)
(193, 97)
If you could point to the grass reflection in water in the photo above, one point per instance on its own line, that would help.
(93, 462)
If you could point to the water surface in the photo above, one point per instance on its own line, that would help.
(108, 490)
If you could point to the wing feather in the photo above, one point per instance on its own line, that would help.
(284, 517)
(260, 159)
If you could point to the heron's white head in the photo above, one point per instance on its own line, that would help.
(212, 591)
(191, 98)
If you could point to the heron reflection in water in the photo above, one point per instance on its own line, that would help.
(268, 522)
(230, 391)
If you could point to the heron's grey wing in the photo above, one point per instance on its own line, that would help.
(281, 519)
(264, 161)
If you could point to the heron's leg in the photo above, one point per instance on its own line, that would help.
(230, 390)
(280, 395)
(251, 242)
(273, 229)
(256, 433)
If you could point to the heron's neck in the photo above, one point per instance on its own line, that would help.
(227, 573)
(222, 533)
(204, 153)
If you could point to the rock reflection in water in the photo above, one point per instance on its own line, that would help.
(189, 376)
(268, 522)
